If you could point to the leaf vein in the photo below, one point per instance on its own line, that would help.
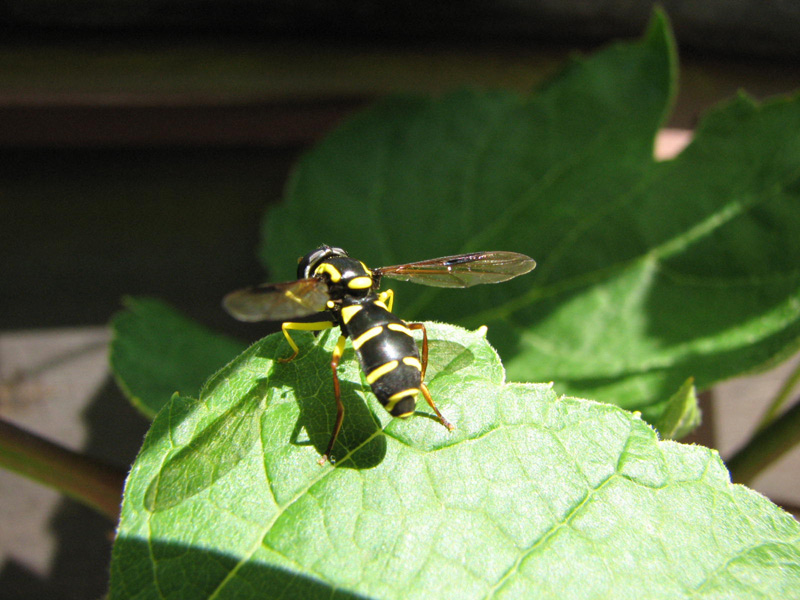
(573, 512)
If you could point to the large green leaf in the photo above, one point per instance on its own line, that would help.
(649, 273)
(532, 496)
(156, 351)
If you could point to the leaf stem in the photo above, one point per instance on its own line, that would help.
(84, 479)
(783, 395)
(766, 446)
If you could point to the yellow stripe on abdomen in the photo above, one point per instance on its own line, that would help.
(400, 328)
(376, 374)
(413, 362)
(367, 336)
(392, 401)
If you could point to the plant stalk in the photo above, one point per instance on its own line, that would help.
(783, 395)
(766, 446)
(84, 479)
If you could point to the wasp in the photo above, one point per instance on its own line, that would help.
(334, 290)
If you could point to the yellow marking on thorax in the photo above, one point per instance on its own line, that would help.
(413, 362)
(360, 283)
(381, 304)
(367, 336)
(348, 312)
(400, 328)
(332, 272)
(381, 371)
(395, 398)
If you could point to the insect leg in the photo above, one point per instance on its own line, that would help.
(318, 326)
(387, 297)
(424, 346)
(429, 399)
(335, 358)
(424, 388)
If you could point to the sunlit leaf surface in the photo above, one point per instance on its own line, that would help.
(532, 496)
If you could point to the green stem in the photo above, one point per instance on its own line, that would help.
(88, 481)
(777, 404)
(766, 446)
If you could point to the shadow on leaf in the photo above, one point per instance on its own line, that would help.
(359, 444)
(223, 575)
(446, 357)
(211, 454)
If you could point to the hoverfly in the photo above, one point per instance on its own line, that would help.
(343, 292)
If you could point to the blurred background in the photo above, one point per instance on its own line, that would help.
(141, 140)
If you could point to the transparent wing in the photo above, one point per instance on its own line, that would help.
(278, 301)
(462, 270)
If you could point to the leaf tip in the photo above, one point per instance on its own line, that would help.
(659, 35)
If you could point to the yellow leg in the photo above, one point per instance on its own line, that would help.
(387, 297)
(424, 347)
(318, 326)
(335, 358)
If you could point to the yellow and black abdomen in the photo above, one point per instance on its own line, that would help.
(387, 352)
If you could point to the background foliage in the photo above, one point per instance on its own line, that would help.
(649, 273)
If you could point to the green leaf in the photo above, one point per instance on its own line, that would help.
(156, 352)
(649, 273)
(681, 414)
(533, 495)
